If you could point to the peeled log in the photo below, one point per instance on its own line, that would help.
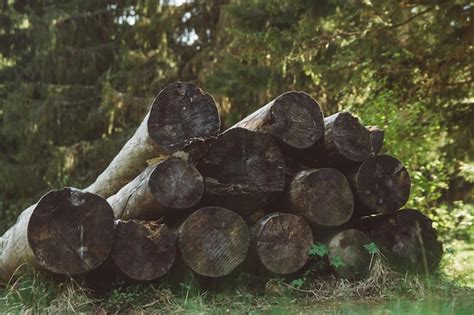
(380, 185)
(181, 115)
(143, 251)
(348, 248)
(243, 171)
(407, 240)
(69, 232)
(282, 242)
(213, 241)
(170, 184)
(322, 196)
(293, 118)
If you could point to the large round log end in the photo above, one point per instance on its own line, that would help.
(176, 184)
(322, 196)
(181, 113)
(71, 232)
(143, 251)
(282, 242)
(213, 241)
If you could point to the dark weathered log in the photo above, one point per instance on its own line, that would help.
(68, 232)
(346, 142)
(376, 137)
(170, 184)
(348, 254)
(243, 170)
(293, 118)
(322, 196)
(380, 185)
(213, 241)
(143, 251)
(282, 242)
(407, 240)
(180, 115)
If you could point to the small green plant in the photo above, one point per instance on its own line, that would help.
(336, 262)
(371, 248)
(318, 249)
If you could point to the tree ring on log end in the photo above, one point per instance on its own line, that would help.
(383, 184)
(71, 231)
(322, 196)
(213, 241)
(283, 241)
(144, 251)
(347, 249)
(176, 184)
(181, 113)
(297, 120)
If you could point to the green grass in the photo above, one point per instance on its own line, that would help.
(384, 293)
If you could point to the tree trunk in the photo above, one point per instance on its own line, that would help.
(282, 242)
(243, 170)
(68, 232)
(348, 256)
(293, 118)
(346, 142)
(143, 251)
(322, 196)
(180, 115)
(170, 184)
(213, 241)
(380, 185)
(407, 240)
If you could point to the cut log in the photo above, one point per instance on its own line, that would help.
(294, 118)
(282, 242)
(380, 185)
(243, 170)
(69, 232)
(322, 196)
(170, 184)
(348, 256)
(180, 115)
(213, 241)
(143, 251)
(376, 137)
(407, 240)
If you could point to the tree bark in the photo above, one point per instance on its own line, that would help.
(181, 115)
(170, 184)
(407, 240)
(243, 171)
(143, 251)
(322, 196)
(282, 242)
(346, 142)
(293, 118)
(380, 185)
(213, 241)
(347, 248)
(68, 232)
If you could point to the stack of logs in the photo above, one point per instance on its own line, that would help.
(263, 191)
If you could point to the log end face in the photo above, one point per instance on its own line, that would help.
(176, 184)
(383, 184)
(71, 232)
(143, 251)
(347, 247)
(322, 196)
(213, 241)
(283, 242)
(297, 120)
(181, 113)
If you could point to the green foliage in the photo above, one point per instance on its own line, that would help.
(336, 262)
(372, 248)
(318, 249)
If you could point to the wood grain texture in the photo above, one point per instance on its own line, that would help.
(243, 171)
(143, 250)
(282, 242)
(322, 196)
(213, 241)
(294, 118)
(348, 247)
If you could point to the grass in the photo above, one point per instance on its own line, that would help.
(384, 292)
